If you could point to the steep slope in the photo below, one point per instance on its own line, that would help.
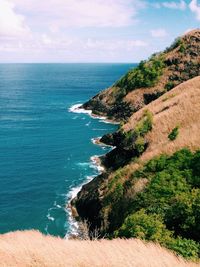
(152, 78)
(166, 125)
(32, 249)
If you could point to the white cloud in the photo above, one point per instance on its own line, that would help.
(180, 5)
(60, 29)
(159, 33)
(195, 8)
(115, 44)
(47, 48)
(81, 13)
(11, 24)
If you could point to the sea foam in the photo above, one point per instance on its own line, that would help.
(77, 109)
(95, 163)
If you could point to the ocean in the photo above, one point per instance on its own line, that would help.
(45, 148)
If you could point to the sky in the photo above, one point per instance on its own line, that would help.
(91, 30)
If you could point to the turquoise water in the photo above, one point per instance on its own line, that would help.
(45, 150)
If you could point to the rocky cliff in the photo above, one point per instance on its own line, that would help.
(152, 78)
(158, 103)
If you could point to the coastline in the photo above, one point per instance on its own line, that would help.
(77, 108)
(75, 225)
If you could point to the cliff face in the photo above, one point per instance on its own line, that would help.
(180, 107)
(173, 124)
(151, 79)
(159, 105)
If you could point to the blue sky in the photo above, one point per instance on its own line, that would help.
(91, 30)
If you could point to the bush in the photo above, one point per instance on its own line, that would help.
(145, 75)
(182, 48)
(195, 164)
(134, 139)
(168, 210)
(151, 227)
(186, 247)
(145, 125)
(174, 133)
(169, 85)
(177, 42)
(143, 226)
(140, 145)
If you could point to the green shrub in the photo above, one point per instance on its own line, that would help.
(145, 125)
(134, 139)
(182, 47)
(168, 210)
(195, 164)
(144, 226)
(118, 175)
(140, 145)
(185, 247)
(177, 42)
(146, 74)
(169, 85)
(174, 133)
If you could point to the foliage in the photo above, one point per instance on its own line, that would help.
(169, 85)
(118, 192)
(140, 144)
(168, 210)
(134, 139)
(144, 226)
(174, 133)
(182, 47)
(146, 74)
(151, 227)
(186, 247)
(145, 125)
(177, 42)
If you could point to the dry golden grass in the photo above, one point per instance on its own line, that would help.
(32, 249)
(136, 97)
(179, 107)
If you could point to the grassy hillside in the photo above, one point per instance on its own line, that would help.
(146, 184)
(152, 78)
(32, 249)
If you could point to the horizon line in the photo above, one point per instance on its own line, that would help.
(69, 62)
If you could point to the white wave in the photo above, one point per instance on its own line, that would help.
(83, 164)
(73, 224)
(87, 124)
(50, 217)
(100, 129)
(109, 122)
(96, 164)
(95, 140)
(74, 118)
(77, 109)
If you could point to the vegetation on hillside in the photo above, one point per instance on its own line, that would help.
(146, 74)
(174, 133)
(168, 210)
(135, 139)
(150, 79)
(159, 202)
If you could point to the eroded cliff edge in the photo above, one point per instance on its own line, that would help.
(158, 105)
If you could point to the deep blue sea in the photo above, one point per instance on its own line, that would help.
(45, 150)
